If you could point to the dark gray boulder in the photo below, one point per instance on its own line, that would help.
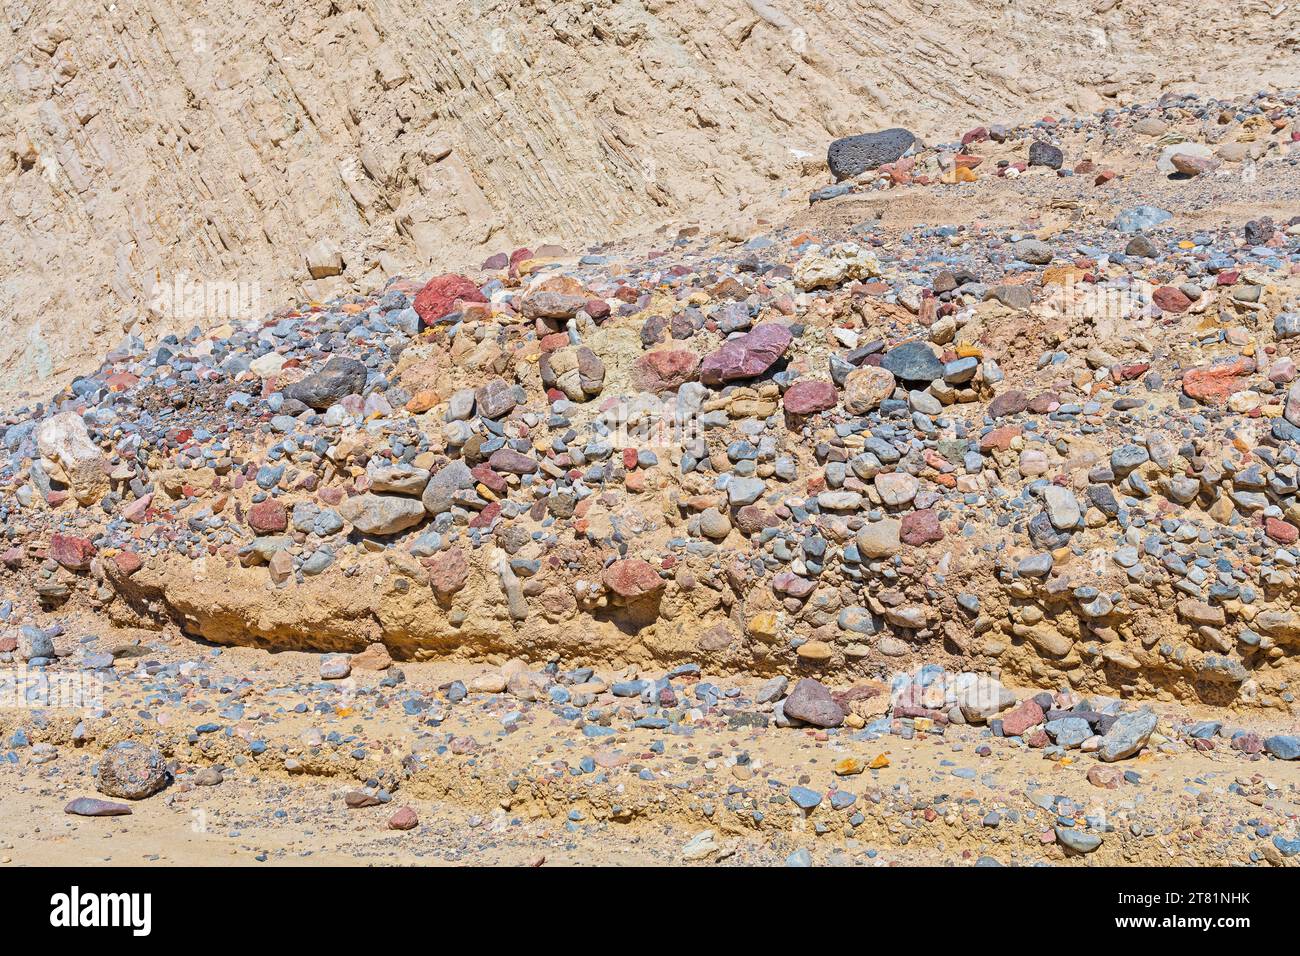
(340, 377)
(851, 155)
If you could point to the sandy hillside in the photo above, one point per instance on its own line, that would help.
(213, 150)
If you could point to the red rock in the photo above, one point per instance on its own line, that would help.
(1190, 165)
(512, 462)
(746, 355)
(1212, 384)
(664, 370)
(439, 295)
(1020, 718)
(268, 517)
(485, 517)
(999, 439)
(72, 552)
(404, 819)
(629, 458)
(448, 572)
(1108, 778)
(495, 481)
(1132, 370)
(1281, 531)
(1170, 299)
(1044, 403)
(806, 397)
(920, 527)
(598, 309)
(127, 563)
(1008, 403)
(1248, 743)
(12, 558)
(632, 578)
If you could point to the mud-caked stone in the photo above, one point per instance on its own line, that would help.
(132, 771)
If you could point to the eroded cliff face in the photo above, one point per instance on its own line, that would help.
(167, 164)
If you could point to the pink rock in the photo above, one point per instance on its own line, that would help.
(268, 517)
(1282, 372)
(1021, 717)
(1170, 299)
(787, 582)
(1212, 384)
(1190, 165)
(1281, 531)
(448, 573)
(747, 355)
(127, 563)
(920, 527)
(404, 819)
(1107, 778)
(806, 397)
(664, 370)
(632, 578)
(72, 552)
(136, 511)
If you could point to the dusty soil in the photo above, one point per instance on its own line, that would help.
(485, 795)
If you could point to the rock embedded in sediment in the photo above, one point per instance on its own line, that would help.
(65, 440)
(496, 398)
(913, 362)
(382, 514)
(132, 771)
(865, 388)
(632, 578)
(448, 573)
(1045, 154)
(810, 396)
(440, 492)
(268, 517)
(880, 539)
(404, 818)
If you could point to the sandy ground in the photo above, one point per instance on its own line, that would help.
(503, 800)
